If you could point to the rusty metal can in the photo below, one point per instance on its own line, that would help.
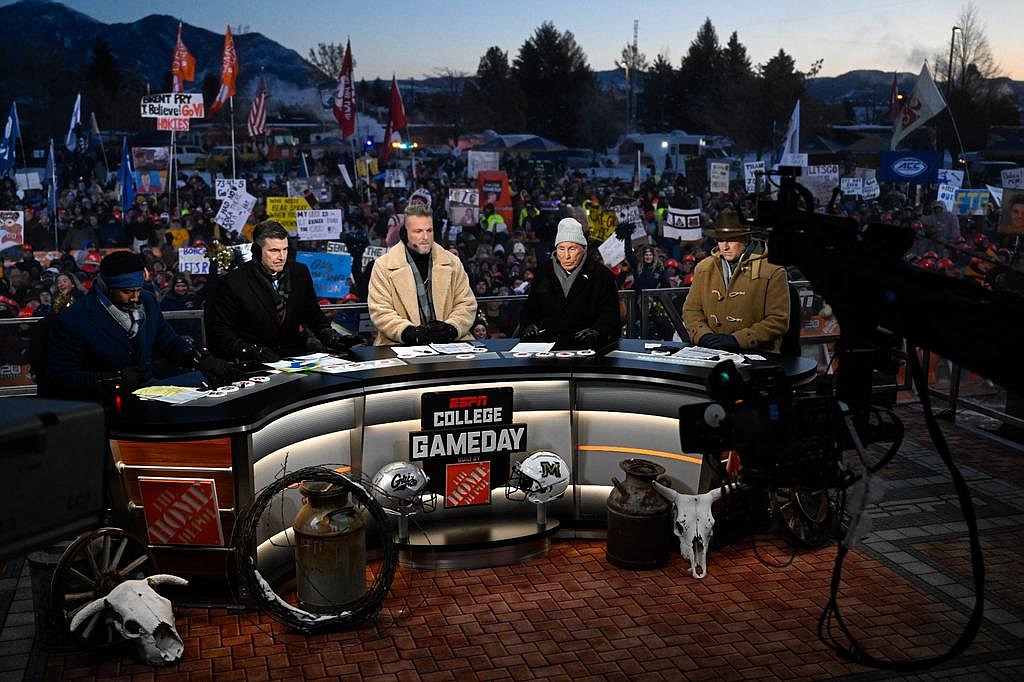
(330, 549)
(639, 518)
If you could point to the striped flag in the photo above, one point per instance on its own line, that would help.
(258, 113)
(228, 73)
(183, 65)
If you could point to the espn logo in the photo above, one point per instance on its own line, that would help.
(461, 402)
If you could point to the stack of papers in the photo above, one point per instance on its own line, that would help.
(174, 395)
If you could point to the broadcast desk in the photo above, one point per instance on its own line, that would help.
(186, 471)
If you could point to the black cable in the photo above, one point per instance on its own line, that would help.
(351, 615)
(852, 651)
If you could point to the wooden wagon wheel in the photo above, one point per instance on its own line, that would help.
(93, 565)
(805, 514)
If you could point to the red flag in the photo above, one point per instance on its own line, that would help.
(183, 65)
(894, 101)
(228, 73)
(345, 96)
(396, 121)
(258, 113)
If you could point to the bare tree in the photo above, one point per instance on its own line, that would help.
(327, 58)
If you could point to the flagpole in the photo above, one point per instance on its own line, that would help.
(231, 105)
(171, 175)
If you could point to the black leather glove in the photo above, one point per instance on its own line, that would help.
(414, 335)
(587, 337)
(336, 341)
(121, 382)
(251, 352)
(217, 372)
(441, 332)
(720, 342)
(531, 333)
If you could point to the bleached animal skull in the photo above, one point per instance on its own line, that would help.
(694, 525)
(139, 613)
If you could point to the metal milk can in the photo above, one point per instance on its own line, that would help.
(330, 548)
(639, 518)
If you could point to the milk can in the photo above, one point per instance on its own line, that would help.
(639, 518)
(330, 548)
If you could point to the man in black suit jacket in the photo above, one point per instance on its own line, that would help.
(573, 300)
(260, 311)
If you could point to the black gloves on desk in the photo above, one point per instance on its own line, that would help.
(217, 372)
(725, 342)
(531, 333)
(434, 331)
(121, 382)
(339, 343)
(587, 337)
(251, 352)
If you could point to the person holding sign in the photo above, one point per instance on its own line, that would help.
(573, 300)
(738, 301)
(419, 293)
(107, 343)
(261, 310)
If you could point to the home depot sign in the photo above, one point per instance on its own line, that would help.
(181, 511)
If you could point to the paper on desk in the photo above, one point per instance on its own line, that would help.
(701, 353)
(532, 348)
(338, 368)
(292, 365)
(311, 357)
(453, 348)
(413, 351)
(174, 395)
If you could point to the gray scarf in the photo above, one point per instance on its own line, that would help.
(423, 297)
(567, 278)
(131, 322)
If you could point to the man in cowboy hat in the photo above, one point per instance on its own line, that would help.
(738, 301)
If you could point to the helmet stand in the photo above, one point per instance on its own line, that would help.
(542, 514)
(403, 526)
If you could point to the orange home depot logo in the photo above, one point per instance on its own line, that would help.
(467, 484)
(181, 511)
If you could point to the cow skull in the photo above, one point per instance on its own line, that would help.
(139, 613)
(694, 525)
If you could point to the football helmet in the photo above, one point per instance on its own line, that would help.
(402, 487)
(542, 477)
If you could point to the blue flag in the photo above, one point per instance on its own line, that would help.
(127, 179)
(12, 132)
(51, 177)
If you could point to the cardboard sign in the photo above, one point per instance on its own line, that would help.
(176, 125)
(150, 181)
(12, 229)
(1013, 178)
(181, 511)
(871, 188)
(330, 272)
(481, 161)
(821, 180)
(283, 209)
(947, 195)
(235, 210)
(954, 178)
(613, 251)
(336, 247)
(683, 224)
(997, 194)
(319, 224)
(750, 171)
(971, 201)
(372, 253)
(394, 177)
(464, 196)
(718, 174)
(173, 105)
(851, 186)
(192, 259)
(223, 186)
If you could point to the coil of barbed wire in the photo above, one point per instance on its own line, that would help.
(349, 616)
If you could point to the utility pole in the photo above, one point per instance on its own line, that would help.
(631, 105)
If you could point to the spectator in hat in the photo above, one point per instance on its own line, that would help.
(260, 311)
(738, 301)
(573, 300)
(28, 262)
(108, 343)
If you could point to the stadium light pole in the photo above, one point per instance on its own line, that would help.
(949, 73)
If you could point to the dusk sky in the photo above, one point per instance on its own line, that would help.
(413, 39)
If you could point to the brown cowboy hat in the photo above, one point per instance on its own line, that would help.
(728, 227)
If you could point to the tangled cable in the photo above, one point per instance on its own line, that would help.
(355, 613)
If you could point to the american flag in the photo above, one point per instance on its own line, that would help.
(258, 113)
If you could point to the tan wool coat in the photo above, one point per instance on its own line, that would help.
(392, 295)
(754, 308)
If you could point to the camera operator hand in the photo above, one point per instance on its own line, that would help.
(725, 342)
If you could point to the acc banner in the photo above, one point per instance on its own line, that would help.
(330, 272)
(910, 166)
(465, 441)
(683, 224)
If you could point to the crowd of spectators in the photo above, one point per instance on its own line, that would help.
(62, 247)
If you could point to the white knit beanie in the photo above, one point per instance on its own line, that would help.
(570, 230)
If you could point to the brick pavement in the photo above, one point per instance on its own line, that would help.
(572, 616)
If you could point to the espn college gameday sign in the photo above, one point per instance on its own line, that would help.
(465, 441)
